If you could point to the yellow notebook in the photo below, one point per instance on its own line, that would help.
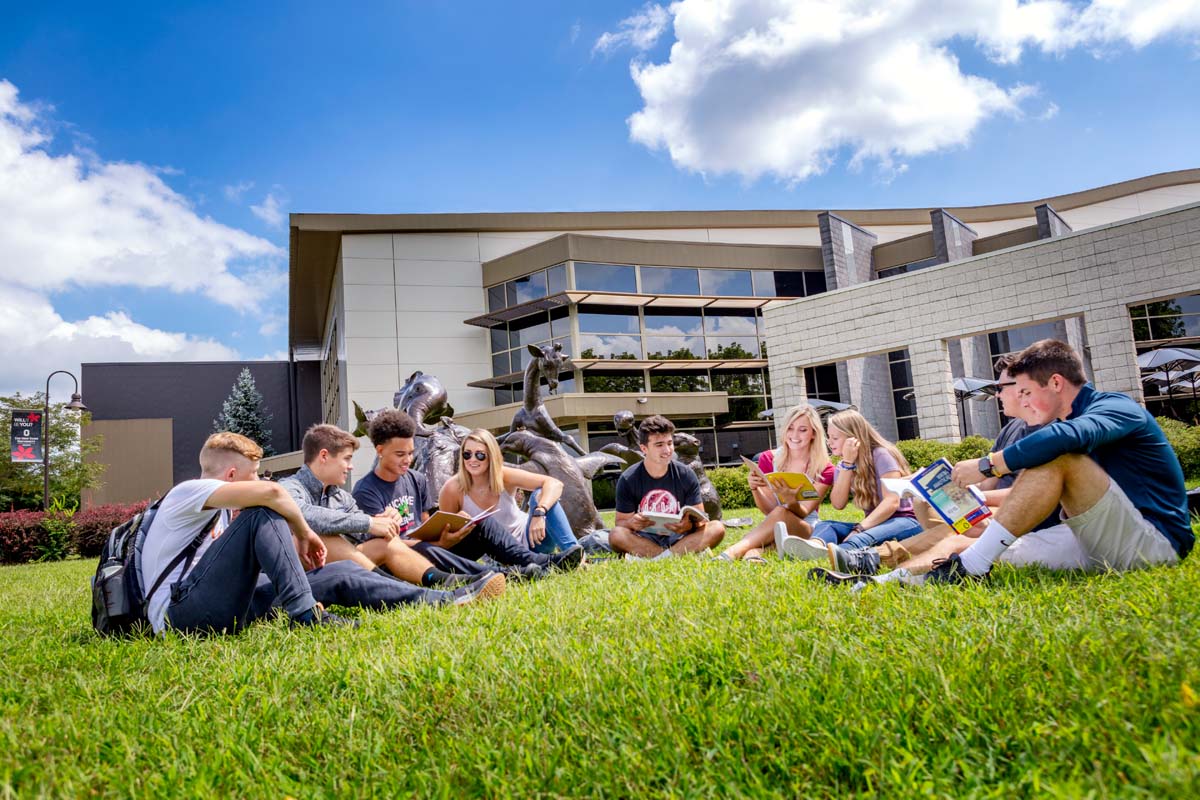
(794, 480)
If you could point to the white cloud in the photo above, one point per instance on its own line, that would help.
(573, 34)
(234, 192)
(639, 31)
(73, 220)
(269, 211)
(786, 87)
(35, 340)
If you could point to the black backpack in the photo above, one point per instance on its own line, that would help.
(118, 601)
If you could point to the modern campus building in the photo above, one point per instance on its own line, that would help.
(708, 317)
(711, 317)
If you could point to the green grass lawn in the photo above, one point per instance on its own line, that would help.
(685, 678)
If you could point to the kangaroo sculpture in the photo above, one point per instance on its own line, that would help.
(547, 363)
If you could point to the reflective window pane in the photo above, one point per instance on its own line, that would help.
(499, 336)
(613, 382)
(556, 279)
(733, 347)
(735, 282)
(674, 347)
(908, 428)
(731, 323)
(790, 283)
(678, 382)
(500, 364)
(738, 382)
(742, 409)
(598, 319)
(764, 283)
(673, 322)
(530, 330)
(565, 344)
(560, 322)
(502, 396)
(531, 287)
(618, 347)
(593, 277)
(496, 298)
(670, 280)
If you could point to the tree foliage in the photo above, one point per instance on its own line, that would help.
(245, 412)
(70, 472)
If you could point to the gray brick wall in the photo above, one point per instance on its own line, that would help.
(1094, 274)
(952, 237)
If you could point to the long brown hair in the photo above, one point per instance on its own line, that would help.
(864, 486)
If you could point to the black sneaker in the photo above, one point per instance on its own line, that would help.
(854, 560)
(455, 579)
(317, 617)
(951, 570)
(519, 573)
(822, 575)
(571, 558)
(487, 587)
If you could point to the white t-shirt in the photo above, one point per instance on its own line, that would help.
(179, 519)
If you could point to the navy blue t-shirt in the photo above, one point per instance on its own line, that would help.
(637, 491)
(408, 494)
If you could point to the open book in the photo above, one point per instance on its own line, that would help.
(794, 480)
(960, 508)
(432, 528)
(660, 519)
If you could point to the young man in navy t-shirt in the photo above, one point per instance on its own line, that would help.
(660, 484)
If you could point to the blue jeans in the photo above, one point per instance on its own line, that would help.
(894, 529)
(345, 583)
(217, 594)
(559, 535)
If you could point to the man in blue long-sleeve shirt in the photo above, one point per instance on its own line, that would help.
(1101, 456)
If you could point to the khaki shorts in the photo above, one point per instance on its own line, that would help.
(1055, 547)
(1115, 535)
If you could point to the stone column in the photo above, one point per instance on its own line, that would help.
(1113, 355)
(1049, 223)
(933, 385)
(953, 239)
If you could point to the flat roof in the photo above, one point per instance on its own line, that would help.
(315, 238)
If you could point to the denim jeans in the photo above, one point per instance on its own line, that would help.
(488, 538)
(894, 529)
(345, 583)
(446, 561)
(216, 595)
(559, 535)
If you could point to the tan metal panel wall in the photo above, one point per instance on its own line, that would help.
(917, 247)
(137, 453)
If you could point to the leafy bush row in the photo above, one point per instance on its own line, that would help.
(1185, 439)
(49, 536)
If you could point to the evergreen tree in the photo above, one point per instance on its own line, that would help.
(244, 412)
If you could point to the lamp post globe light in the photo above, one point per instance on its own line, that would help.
(76, 404)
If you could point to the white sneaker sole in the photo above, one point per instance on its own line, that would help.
(799, 549)
(781, 536)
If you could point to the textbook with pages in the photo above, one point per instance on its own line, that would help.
(794, 480)
(431, 529)
(960, 508)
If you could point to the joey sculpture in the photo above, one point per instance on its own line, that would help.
(687, 452)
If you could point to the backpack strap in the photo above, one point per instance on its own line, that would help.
(187, 553)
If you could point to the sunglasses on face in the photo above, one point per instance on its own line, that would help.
(478, 455)
(1005, 384)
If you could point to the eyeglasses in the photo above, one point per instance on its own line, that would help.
(478, 455)
(1006, 384)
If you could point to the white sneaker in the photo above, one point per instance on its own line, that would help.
(632, 557)
(804, 549)
(664, 554)
(781, 536)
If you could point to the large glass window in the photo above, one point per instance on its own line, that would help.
(674, 347)
(592, 277)
(729, 347)
(598, 319)
(522, 290)
(679, 381)
(593, 345)
(613, 382)
(673, 322)
(822, 383)
(738, 382)
(731, 323)
(1016, 339)
(529, 330)
(556, 279)
(496, 298)
(814, 282)
(779, 283)
(1178, 318)
(903, 396)
(733, 282)
(670, 280)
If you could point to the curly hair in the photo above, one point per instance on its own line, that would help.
(391, 424)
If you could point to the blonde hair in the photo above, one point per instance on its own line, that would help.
(818, 452)
(220, 448)
(865, 483)
(495, 461)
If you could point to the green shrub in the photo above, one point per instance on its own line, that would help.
(1185, 440)
(732, 486)
(970, 447)
(923, 452)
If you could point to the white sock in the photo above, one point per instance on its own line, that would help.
(978, 558)
(664, 554)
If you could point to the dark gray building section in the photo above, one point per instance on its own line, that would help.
(191, 393)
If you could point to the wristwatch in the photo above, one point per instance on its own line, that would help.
(985, 466)
(538, 511)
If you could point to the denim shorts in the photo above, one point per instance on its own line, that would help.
(663, 540)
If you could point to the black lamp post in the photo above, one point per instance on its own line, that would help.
(75, 404)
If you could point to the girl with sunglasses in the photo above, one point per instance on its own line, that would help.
(484, 481)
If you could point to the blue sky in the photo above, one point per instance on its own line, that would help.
(154, 150)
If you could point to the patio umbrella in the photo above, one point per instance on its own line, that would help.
(1169, 359)
(979, 388)
(824, 406)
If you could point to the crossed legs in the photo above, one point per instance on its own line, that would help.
(763, 534)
